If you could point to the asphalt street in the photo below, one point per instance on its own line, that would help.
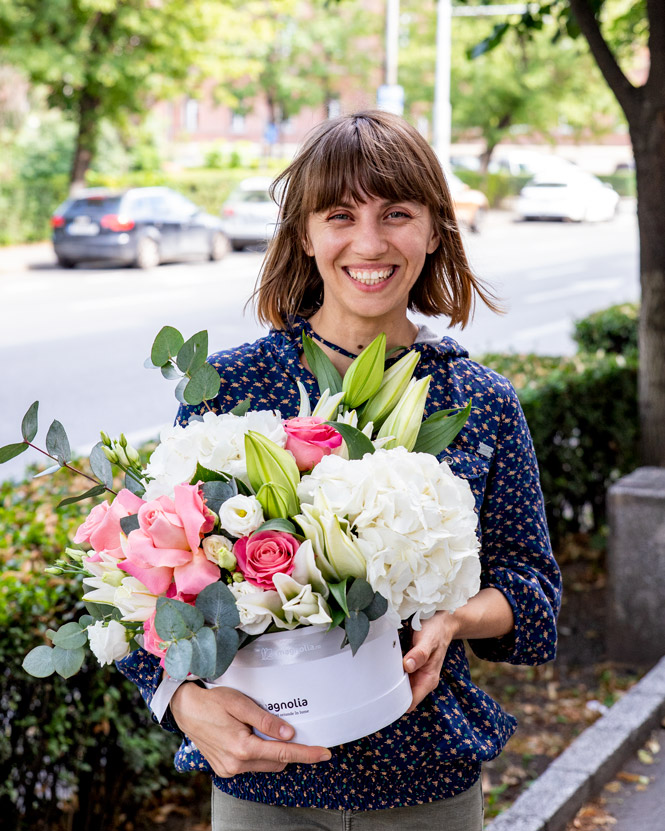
(76, 339)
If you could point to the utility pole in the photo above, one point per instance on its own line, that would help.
(390, 95)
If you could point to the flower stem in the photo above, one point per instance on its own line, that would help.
(70, 467)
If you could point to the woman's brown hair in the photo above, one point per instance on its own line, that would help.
(353, 157)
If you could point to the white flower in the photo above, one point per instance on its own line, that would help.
(257, 609)
(219, 550)
(216, 442)
(301, 604)
(415, 525)
(115, 588)
(240, 515)
(109, 642)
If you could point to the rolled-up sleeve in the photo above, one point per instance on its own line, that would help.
(517, 555)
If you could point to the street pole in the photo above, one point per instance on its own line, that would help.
(392, 42)
(442, 111)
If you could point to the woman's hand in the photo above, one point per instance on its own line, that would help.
(220, 721)
(424, 660)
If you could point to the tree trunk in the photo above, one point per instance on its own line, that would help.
(648, 137)
(86, 139)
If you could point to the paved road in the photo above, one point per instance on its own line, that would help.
(77, 339)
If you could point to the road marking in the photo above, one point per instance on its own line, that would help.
(583, 287)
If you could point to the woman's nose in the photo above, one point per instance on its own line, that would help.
(370, 240)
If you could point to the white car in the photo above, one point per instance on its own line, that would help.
(249, 216)
(574, 196)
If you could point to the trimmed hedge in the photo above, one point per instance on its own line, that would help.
(609, 330)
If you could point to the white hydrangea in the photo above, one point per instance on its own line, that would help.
(415, 523)
(217, 443)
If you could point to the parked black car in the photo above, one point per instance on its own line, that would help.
(138, 226)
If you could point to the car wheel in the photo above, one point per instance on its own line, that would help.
(237, 245)
(478, 220)
(219, 246)
(65, 262)
(147, 253)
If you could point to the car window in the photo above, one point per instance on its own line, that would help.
(252, 196)
(178, 206)
(94, 206)
(140, 208)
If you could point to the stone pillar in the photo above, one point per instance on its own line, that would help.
(636, 567)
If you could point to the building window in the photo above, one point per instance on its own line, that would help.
(334, 108)
(191, 115)
(237, 123)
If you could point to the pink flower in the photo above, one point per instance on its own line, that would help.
(166, 546)
(264, 554)
(151, 640)
(102, 526)
(309, 439)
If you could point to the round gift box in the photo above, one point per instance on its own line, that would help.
(329, 695)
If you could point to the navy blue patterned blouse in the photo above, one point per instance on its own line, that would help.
(436, 751)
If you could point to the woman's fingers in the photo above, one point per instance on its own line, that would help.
(424, 660)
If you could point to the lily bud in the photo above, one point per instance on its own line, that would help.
(274, 500)
(393, 386)
(53, 570)
(403, 424)
(342, 552)
(363, 378)
(268, 463)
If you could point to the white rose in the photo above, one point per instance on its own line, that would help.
(108, 642)
(240, 515)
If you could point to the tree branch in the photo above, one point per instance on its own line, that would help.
(624, 91)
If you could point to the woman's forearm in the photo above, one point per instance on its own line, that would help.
(487, 615)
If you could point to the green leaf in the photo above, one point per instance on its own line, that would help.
(204, 653)
(215, 493)
(227, 641)
(11, 451)
(180, 390)
(203, 385)
(85, 621)
(47, 471)
(490, 42)
(100, 465)
(338, 591)
(202, 474)
(437, 431)
(193, 353)
(322, 367)
(217, 605)
(166, 345)
(338, 616)
(39, 662)
(57, 442)
(96, 491)
(241, 408)
(67, 662)
(278, 524)
(178, 659)
(170, 372)
(133, 485)
(359, 595)
(70, 636)
(29, 425)
(175, 619)
(96, 610)
(357, 442)
(377, 608)
(129, 524)
(356, 628)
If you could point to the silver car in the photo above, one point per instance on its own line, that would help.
(249, 216)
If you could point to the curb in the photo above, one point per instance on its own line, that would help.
(590, 761)
(17, 258)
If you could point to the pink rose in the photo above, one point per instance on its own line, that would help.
(264, 554)
(151, 640)
(102, 526)
(166, 545)
(309, 439)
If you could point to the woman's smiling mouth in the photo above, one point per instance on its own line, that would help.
(370, 277)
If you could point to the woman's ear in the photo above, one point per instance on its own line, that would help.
(434, 241)
(307, 247)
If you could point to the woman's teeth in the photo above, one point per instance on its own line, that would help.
(370, 278)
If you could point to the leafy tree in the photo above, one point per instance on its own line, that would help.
(627, 41)
(112, 59)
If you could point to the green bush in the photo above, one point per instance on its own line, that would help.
(609, 330)
(623, 182)
(495, 186)
(77, 754)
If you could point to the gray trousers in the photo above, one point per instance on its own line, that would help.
(463, 812)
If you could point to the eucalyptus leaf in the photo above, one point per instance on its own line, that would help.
(133, 484)
(323, 369)
(170, 372)
(357, 442)
(359, 595)
(129, 524)
(70, 636)
(57, 442)
(178, 659)
(241, 408)
(166, 345)
(338, 591)
(67, 662)
(39, 662)
(96, 610)
(47, 471)
(377, 608)
(215, 493)
(180, 390)
(85, 621)
(439, 430)
(193, 353)
(227, 641)
(204, 653)
(356, 627)
(175, 619)
(11, 451)
(217, 605)
(30, 423)
(100, 465)
(204, 384)
(97, 490)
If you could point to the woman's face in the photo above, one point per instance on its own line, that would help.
(369, 255)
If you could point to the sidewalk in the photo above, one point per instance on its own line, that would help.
(595, 758)
(23, 257)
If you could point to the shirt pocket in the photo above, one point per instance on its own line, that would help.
(470, 466)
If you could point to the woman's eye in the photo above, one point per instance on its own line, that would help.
(339, 215)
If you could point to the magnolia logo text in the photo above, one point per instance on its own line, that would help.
(268, 654)
(286, 705)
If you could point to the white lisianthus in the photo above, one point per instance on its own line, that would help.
(108, 642)
(219, 550)
(258, 609)
(217, 442)
(414, 522)
(240, 515)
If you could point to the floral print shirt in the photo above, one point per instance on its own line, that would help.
(436, 751)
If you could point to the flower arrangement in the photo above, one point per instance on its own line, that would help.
(245, 523)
